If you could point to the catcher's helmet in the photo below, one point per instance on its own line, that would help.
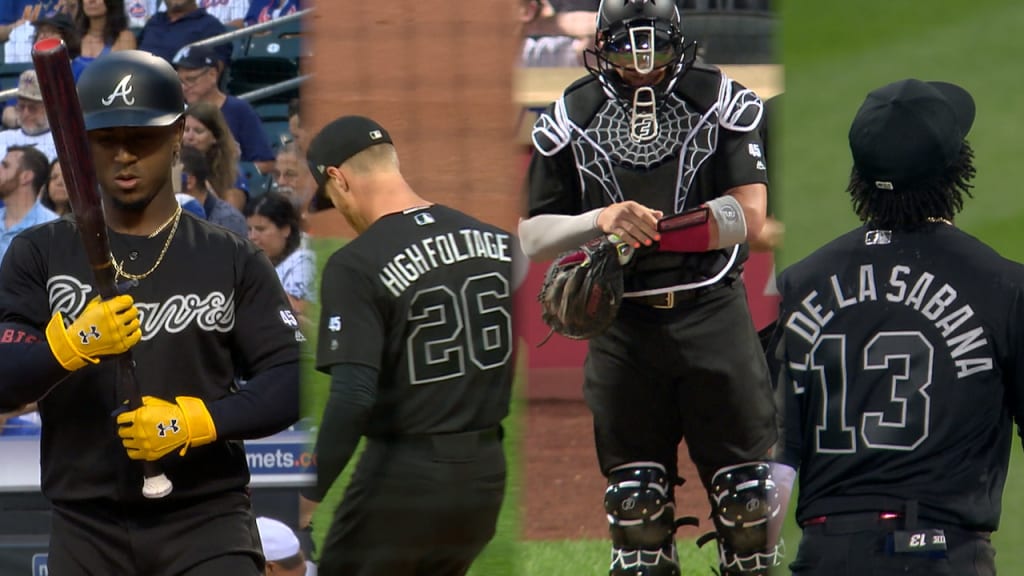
(638, 35)
(130, 88)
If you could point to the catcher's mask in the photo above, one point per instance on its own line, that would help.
(639, 54)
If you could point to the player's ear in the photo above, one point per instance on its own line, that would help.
(335, 173)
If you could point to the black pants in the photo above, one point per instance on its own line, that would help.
(697, 371)
(417, 507)
(860, 544)
(210, 536)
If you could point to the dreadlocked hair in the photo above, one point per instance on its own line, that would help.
(914, 205)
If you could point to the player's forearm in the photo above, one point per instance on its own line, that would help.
(27, 373)
(733, 218)
(547, 235)
(267, 404)
(353, 393)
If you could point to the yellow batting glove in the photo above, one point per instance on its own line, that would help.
(104, 328)
(158, 427)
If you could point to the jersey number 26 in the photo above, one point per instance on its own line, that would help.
(449, 328)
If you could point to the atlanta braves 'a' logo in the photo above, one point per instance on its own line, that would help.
(162, 428)
(123, 90)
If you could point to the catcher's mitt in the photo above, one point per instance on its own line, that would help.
(582, 290)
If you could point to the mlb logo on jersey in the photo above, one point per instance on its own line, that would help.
(423, 219)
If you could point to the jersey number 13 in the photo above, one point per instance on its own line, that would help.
(893, 417)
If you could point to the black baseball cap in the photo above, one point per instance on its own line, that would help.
(59, 20)
(194, 57)
(909, 130)
(337, 142)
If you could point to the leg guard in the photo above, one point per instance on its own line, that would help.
(744, 499)
(641, 517)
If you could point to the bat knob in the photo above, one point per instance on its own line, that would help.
(157, 486)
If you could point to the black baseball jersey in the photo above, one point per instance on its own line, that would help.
(708, 142)
(424, 297)
(212, 310)
(902, 354)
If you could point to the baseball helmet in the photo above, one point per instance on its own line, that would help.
(638, 35)
(130, 88)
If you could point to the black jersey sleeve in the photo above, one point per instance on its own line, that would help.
(353, 394)
(552, 181)
(1015, 376)
(266, 332)
(740, 159)
(23, 293)
(352, 326)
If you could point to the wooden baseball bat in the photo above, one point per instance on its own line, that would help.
(64, 111)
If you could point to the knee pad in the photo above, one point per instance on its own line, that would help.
(744, 499)
(640, 506)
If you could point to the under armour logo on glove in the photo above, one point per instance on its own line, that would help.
(93, 332)
(163, 428)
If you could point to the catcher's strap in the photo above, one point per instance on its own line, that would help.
(582, 289)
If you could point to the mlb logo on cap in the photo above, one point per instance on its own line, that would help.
(376, 135)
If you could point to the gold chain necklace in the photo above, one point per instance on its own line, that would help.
(118, 266)
(938, 220)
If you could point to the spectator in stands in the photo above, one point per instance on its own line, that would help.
(23, 171)
(55, 192)
(195, 174)
(281, 549)
(230, 12)
(33, 127)
(300, 135)
(261, 11)
(15, 16)
(556, 32)
(293, 178)
(104, 28)
(184, 22)
(199, 69)
(60, 25)
(138, 12)
(276, 228)
(206, 130)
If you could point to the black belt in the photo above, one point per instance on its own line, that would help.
(487, 435)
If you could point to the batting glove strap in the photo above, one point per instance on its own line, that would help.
(160, 427)
(63, 348)
(201, 429)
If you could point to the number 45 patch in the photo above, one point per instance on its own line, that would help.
(289, 319)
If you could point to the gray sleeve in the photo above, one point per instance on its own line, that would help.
(545, 236)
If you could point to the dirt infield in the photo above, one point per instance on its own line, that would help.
(563, 488)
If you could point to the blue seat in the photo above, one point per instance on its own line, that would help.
(258, 183)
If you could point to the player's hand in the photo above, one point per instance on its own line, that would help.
(306, 509)
(771, 236)
(158, 427)
(634, 223)
(104, 328)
